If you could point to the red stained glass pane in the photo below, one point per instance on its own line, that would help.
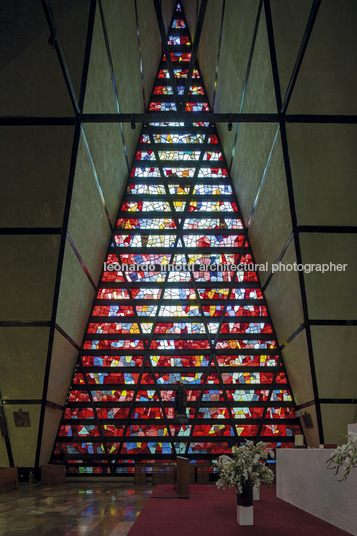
(247, 412)
(78, 396)
(281, 378)
(216, 430)
(148, 413)
(70, 430)
(247, 430)
(113, 396)
(113, 430)
(117, 310)
(280, 430)
(112, 413)
(281, 413)
(79, 413)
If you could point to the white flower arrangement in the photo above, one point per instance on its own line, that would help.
(246, 467)
(344, 457)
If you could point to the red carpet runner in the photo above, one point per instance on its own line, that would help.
(212, 512)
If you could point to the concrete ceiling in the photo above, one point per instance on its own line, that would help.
(62, 180)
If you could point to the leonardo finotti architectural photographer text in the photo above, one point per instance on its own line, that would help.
(264, 267)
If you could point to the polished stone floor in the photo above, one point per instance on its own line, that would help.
(74, 509)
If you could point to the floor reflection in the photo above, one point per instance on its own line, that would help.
(105, 509)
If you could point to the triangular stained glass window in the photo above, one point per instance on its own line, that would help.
(171, 308)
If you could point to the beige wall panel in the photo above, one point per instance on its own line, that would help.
(131, 138)
(289, 23)
(99, 90)
(88, 225)
(227, 139)
(167, 7)
(271, 224)
(191, 9)
(208, 47)
(18, 32)
(63, 360)
(121, 27)
(330, 294)
(260, 94)
(23, 439)
(239, 21)
(72, 23)
(150, 41)
(31, 81)
(254, 144)
(323, 162)
(4, 459)
(33, 187)
(50, 427)
(75, 297)
(327, 80)
(312, 436)
(27, 276)
(335, 419)
(335, 360)
(105, 145)
(23, 362)
(284, 298)
(297, 365)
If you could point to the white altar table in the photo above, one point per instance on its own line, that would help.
(304, 481)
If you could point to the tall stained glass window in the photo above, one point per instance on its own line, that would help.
(171, 308)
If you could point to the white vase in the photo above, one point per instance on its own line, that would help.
(245, 505)
(256, 493)
(245, 515)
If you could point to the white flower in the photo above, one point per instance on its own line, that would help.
(344, 456)
(246, 466)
